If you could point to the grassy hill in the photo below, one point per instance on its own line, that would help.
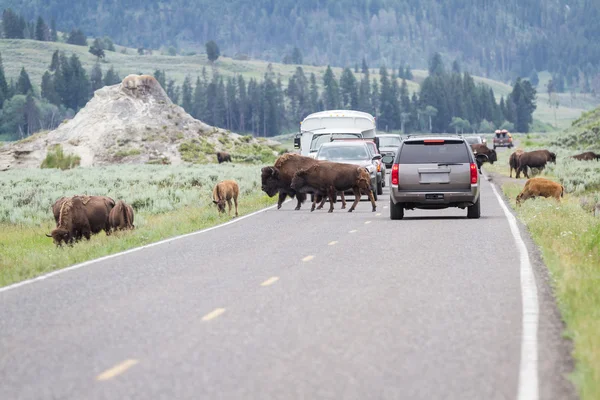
(35, 56)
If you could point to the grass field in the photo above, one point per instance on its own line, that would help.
(569, 238)
(168, 201)
(36, 56)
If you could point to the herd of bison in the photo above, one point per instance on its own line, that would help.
(291, 175)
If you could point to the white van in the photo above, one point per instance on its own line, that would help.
(321, 127)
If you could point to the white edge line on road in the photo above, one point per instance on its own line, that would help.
(528, 388)
(108, 257)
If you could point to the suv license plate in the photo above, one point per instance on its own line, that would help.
(434, 196)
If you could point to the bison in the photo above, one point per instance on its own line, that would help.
(513, 161)
(72, 222)
(534, 159)
(121, 216)
(483, 154)
(535, 187)
(223, 157)
(278, 178)
(225, 191)
(330, 177)
(97, 209)
(587, 156)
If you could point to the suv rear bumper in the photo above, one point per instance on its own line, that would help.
(412, 199)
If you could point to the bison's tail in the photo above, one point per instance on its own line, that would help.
(562, 191)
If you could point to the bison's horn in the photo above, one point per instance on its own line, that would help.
(48, 235)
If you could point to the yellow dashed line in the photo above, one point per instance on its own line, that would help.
(332, 243)
(353, 231)
(367, 222)
(308, 258)
(213, 314)
(116, 370)
(270, 281)
(378, 214)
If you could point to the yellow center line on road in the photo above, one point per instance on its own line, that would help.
(116, 370)
(353, 231)
(332, 243)
(308, 258)
(378, 214)
(367, 222)
(270, 281)
(213, 314)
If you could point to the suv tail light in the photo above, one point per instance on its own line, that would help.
(379, 166)
(395, 180)
(474, 176)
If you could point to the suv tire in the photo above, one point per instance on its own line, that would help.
(475, 210)
(379, 187)
(396, 210)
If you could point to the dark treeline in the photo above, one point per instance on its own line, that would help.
(65, 88)
(447, 101)
(498, 39)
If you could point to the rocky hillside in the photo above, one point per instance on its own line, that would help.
(135, 122)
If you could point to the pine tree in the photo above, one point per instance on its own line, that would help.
(173, 91)
(314, 94)
(41, 30)
(97, 49)
(13, 25)
(161, 77)
(198, 108)
(80, 84)
(111, 77)
(32, 115)
(331, 93)
(4, 92)
(386, 113)
(243, 103)
(96, 78)
(48, 90)
(348, 90)
(23, 84)
(55, 63)
(375, 101)
(53, 31)
(186, 95)
(77, 37)
(436, 65)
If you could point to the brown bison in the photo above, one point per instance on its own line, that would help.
(97, 209)
(587, 156)
(121, 216)
(483, 154)
(535, 187)
(513, 161)
(330, 177)
(223, 156)
(534, 159)
(225, 191)
(72, 223)
(278, 178)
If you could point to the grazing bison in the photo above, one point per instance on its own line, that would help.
(225, 191)
(587, 156)
(72, 222)
(535, 187)
(534, 159)
(97, 209)
(513, 161)
(483, 154)
(330, 177)
(223, 156)
(278, 178)
(121, 216)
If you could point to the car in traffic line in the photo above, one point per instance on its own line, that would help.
(388, 146)
(475, 140)
(381, 170)
(432, 172)
(351, 152)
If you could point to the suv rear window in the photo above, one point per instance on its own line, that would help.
(419, 152)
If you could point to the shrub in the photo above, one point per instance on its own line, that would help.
(56, 158)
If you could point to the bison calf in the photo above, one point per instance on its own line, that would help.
(225, 191)
(223, 156)
(121, 216)
(536, 187)
(72, 223)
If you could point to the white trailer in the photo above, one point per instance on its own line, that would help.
(321, 127)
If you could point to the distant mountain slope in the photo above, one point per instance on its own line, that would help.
(493, 38)
(35, 56)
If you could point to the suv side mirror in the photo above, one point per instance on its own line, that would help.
(376, 157)
(296, 142)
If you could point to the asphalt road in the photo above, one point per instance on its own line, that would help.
(288, 305)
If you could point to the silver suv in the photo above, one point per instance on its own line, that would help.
(434, 173)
